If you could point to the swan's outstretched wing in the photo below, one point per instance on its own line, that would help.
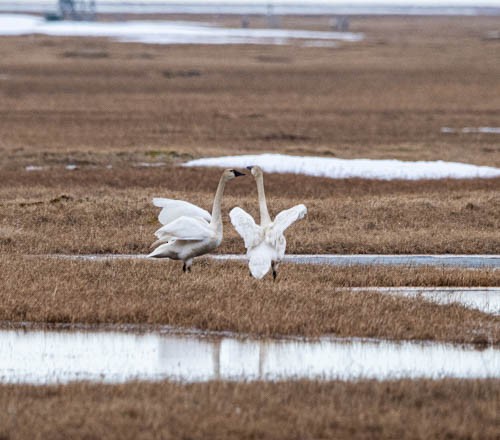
(287, 217)
(260, 259)
(245, 226)
(274, 235)
(173, 209)
(186, 228)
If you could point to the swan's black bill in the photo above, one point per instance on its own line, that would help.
(237, 173)
(250, 168)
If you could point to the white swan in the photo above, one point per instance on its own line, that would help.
(265, 243)
(189, 231)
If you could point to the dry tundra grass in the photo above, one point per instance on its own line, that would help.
(88, 211)
(221, 296)
(405, 409)
(95, 101)
(106, 107)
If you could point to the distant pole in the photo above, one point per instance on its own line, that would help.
(77, 9)
(272, 20)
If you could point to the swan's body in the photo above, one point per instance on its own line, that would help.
(265, 243)
(189, 231)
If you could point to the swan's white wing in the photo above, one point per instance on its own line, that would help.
(287, 217)
(245, 226)
(173, 209)
(274, 235)
(186, 228)
(260, 259)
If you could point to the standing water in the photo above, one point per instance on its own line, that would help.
(46, 357)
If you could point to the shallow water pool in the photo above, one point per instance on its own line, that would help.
(50, 356)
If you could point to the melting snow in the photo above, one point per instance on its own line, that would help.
(163, 32)
(347, 168)
(33, 168)
(489, 130)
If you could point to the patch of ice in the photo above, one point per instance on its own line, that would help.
(71, 167)
(351, 168)
(163, 32)
(488, 130)
(150, 164)
(33, 168)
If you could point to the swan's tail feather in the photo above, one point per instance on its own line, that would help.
(161, 251)
(259, 265)
(166, 239)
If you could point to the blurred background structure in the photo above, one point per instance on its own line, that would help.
(77, 9)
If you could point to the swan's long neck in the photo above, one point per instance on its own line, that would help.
(264, 213)
(216, 208)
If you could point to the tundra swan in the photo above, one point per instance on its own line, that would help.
(265, 243)
(189, 231)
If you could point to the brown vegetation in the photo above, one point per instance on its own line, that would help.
(405, 409)
(95, 101)
(89, 211)
(222, 296)
(106, 107)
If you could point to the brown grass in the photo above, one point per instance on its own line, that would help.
(221, 296)
(111, 212)
(420, 409)
(97, 103)
(386, 97)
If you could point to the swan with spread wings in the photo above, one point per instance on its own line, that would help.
(189, 231)
(265, 243)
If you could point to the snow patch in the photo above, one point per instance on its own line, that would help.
(163, 32)
(348, 168)
(33, 168)
(489, 130)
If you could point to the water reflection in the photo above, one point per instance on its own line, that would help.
(54, 356)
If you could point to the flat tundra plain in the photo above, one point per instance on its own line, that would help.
(114, 110)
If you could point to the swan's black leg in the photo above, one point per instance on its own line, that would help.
(275, 274)
(184, 267)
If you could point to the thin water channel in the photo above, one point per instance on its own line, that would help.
(447, 260)
(51, 356)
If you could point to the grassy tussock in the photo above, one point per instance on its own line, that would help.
(222, 296)
(420, 409)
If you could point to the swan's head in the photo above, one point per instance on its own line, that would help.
(231, 174)
(256, 171)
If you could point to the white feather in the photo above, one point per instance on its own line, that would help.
(173, 209)
(186, 228)
(260, 259)
(244, 224)
(274, 235)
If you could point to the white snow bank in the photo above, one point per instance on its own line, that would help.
(345, 168)
(489, 130)
(163, 32)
